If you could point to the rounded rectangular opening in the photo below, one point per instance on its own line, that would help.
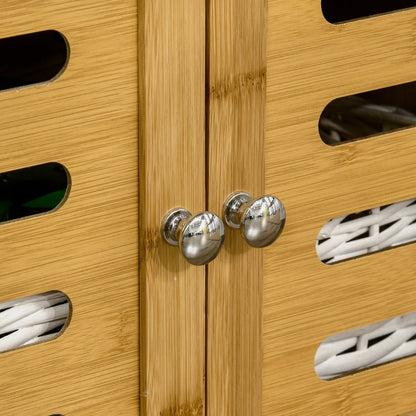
(368, 114)
(31, 59)
(33, 191)
(367, 232)
(366, 347)
(33, 320)
(338, 11)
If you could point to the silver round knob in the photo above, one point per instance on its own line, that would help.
(199, 237)
(261, 220)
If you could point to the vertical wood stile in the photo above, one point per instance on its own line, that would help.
(172, 174)
(236, 83)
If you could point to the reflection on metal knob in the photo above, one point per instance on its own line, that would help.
(261, 220)
(199, 237)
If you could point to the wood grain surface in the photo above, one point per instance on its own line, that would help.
(95, 117)
(236, 83)
(172, 174)
(311, 62)
(87, 121)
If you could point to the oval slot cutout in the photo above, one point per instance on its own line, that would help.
(31, 59)
(337, 11)
(368, 114)
(367, 232)
(366, 347)
(32, 191)
(33, 320)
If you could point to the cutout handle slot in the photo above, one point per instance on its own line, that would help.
(368, 114)
(33, 191)
(32, 59)
(338, 11)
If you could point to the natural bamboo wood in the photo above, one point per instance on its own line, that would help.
(311, 62)
(86, 120)
(236, 42)
(172, 174)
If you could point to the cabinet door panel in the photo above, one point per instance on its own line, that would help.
(87, 121)
(311, 62)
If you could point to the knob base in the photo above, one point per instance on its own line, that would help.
(232, 208)
(170, 225)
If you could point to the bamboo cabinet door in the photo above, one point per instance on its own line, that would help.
(269, 310)
(85, 120)
(311, 62)
(126, 119)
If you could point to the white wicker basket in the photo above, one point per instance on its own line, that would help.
(32, 319)
(366, 232)
(366, 347)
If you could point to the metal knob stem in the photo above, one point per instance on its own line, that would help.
(260, 220)
(199, 237)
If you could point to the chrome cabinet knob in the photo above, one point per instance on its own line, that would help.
(261, 220)
(199, 237)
